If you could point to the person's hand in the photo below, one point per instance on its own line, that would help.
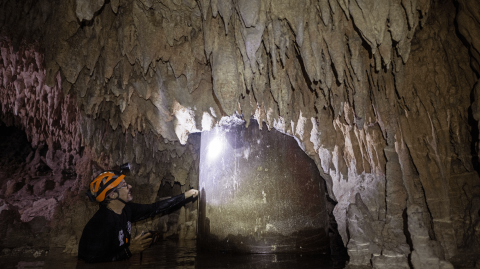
(140, 243)
(191, 193)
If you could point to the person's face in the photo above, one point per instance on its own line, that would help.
(124, 191)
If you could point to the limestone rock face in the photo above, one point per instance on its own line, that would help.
(426, 253)
(365, 240)
(383, 95)
(260, 193)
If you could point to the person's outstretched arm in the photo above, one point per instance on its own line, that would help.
(141, 212)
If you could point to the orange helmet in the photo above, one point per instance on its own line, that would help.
(104, 182)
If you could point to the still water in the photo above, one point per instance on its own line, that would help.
(174, 254)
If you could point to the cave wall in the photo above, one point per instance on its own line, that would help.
(260, 193)
(42, 193)
(378, 93)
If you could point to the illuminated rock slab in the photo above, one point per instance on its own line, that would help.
(260, 193)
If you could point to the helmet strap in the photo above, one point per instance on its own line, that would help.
(118, 197)
(121, 200)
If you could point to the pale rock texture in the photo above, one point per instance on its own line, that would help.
(41, 207)
(426, 253)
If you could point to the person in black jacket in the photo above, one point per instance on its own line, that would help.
(107, 235)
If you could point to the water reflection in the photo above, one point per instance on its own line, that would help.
(174, 254)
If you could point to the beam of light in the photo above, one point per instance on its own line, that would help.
(215, 147)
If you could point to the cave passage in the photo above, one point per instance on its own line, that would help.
(15, 149)
(260, 193)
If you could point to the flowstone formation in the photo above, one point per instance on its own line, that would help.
(378, 93)
(260, 193)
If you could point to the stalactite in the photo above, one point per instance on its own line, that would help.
(343, 77)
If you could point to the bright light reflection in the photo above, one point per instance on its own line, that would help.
(215, 147)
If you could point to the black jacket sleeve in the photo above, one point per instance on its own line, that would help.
(96, 245)
(141, 212)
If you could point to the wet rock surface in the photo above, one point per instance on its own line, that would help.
(260, 193)
(382, 95)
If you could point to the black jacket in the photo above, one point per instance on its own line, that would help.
(107, 235)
